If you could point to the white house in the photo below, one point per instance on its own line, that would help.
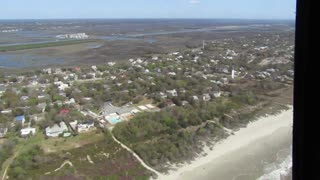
(217, 94)
(94, 68)
(85, 127)
(61, 86)
(111, 63)
(206, 97)
(172, 73)
(172, 93)
(195, 98)
(163, 95)
(6, 111)
(56, 129)
(27, 131)
(74, 124)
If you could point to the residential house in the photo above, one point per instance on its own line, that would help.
(3, 132)
(2, 89)
(225, 80)
(94, 68)
(20, 119)
(6, 111)
(42, 107)
(61, 86)
(195, 98)
(92, 74)
(184, 103)
(27, 132)
(56, 129)
(74, 124)
(48, 70)
(206, 97)
(109, 109)
(71, 101)
(58, 71)
(86, 126)
(172, 73)
(162, 95)
(64, 112)
(24, 98)
(111, 63)
(172, 93)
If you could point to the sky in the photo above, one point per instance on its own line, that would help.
(233, 9)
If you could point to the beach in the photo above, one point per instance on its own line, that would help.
(258, 151)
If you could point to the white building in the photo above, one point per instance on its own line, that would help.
(206, 97)
(56, 129)
(74, 124)
(94, 68)
(27, 131)
(172, 93)
(85, 127)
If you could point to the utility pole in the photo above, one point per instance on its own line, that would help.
(203, 44)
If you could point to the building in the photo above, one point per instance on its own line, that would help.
(56, 129)
(24, 98)
(74, 124)
(20, 119)
(163, 95)
(109, 109)
(184, 103)
(6, 111)
(42, 106)
(2, 89)
(94, 68)
(217, 94)
(195, 98)
(86, 126)
(64, 112)
(27, 131)
(3, 132)
(172, 93)
(206, 97)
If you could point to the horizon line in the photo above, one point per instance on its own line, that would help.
(156, 18)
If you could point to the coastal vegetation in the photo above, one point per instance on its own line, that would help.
(102, 159)
(42, 45)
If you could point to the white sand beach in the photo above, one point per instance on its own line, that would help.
(271, 129)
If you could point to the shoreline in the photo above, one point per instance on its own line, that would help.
(256, 131)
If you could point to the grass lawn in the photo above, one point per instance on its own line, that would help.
(143, 102)
(59, 144)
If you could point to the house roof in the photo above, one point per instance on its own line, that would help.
(57, 128)
(20, 118)
(109, 109)
(64, 111)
